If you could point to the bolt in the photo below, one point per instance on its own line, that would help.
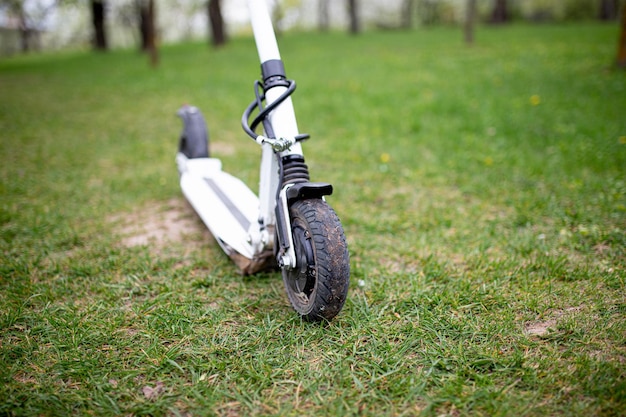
(285, 262)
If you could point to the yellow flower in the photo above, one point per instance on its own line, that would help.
(385, 157)
(535, 100)
(622, 140)
(488, 161)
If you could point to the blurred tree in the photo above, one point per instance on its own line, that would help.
(28, 21)
(353, 15)
(470, 17)
(324, 18)
(99, 31)
(152, 37)
(621, 48)
(609, 9)
(406, 16)
(143, 17)
(147, 29)
(429, 12)
(500, 13)
(216, 19)
(16, 8)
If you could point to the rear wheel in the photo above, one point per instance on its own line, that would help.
(317, 287)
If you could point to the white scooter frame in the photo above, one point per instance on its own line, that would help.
(289, 224)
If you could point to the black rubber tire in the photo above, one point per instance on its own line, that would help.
(317, 288)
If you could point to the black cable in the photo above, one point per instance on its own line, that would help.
(264, 111)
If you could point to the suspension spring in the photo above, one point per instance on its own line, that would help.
(294, 170)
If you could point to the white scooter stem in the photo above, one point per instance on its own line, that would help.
(283, 118)
(262, 29)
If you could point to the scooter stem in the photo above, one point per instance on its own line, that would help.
(283, 118)
(263, 30)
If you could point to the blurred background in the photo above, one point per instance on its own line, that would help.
(44, 25)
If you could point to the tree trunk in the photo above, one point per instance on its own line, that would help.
(621, 49)
(354, 16)
(142, 14)
(97, 14)
(146, 11)
(218, 37)
(151, 34)
(500, 12)
(407, 14)
(468, 27)
(609, 9)
(324, 19)
(24, 30)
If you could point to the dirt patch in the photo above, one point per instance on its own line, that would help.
(541, 328)
(162, 224)
(222, 148)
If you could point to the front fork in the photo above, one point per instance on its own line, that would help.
(289, 194)
(286, 256)
(281, 138)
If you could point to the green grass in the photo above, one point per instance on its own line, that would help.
(482, 191)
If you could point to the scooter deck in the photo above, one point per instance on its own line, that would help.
(224, 203)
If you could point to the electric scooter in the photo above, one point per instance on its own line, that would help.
(289, 225)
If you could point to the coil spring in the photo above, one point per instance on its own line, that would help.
(295, 170)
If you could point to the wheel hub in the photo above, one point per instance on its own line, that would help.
(302, 277)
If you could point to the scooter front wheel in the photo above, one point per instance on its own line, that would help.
(317, 287)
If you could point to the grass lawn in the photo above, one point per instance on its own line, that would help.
(482, 191)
